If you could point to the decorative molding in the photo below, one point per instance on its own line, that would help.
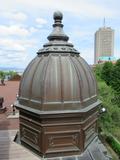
(29, 135)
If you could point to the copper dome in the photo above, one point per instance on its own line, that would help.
(58, 78)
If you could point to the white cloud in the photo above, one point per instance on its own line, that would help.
(13, 30)
(40, 22)
(12, 57)
(15, 16)
(8, 44)
(16, 30)
(33, 29)
(89, 8)
(14, 60)
(86, 8)
(17, 45)
(15, 52)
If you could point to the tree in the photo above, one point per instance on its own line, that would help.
(97, 70)
(115, 81)
(2, 77)
(106, 72)
(109, 122)
(115, 77)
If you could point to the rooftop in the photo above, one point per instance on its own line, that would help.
(9, 92)
(9, 150)
(107, 58)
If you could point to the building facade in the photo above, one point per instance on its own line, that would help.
(104, 43)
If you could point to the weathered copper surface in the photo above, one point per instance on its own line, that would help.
(58, 99)
(58, 134)
(58, 78)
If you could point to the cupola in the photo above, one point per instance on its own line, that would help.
(58, 98)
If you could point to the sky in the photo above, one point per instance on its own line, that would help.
(25, 25)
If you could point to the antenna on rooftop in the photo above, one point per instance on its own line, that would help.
(104, 22)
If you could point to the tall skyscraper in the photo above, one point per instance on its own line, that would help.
(104, 43)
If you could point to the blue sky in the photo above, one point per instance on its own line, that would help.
(25, 25)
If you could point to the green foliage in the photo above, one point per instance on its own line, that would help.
(105, 95)
(115, 77)
(12, 73)
(2, 75)
(109, 122)
(114, 143)
(98, 70)
(9, 74)
(115, 115)
(115, 82)
(106, 72)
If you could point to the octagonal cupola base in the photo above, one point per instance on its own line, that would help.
(53, 134)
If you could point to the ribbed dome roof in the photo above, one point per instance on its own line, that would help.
(58, 78)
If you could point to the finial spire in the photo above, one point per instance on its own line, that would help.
(58, 40)
(58, 33)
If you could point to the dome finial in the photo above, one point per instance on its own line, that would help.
(58, 33)
(58, 16)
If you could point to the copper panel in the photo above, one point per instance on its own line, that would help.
(63, 141)
(30, 137)
(90, 134)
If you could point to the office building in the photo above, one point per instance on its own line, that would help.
(104, 43)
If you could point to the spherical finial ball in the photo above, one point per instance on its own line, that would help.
(58, 15)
